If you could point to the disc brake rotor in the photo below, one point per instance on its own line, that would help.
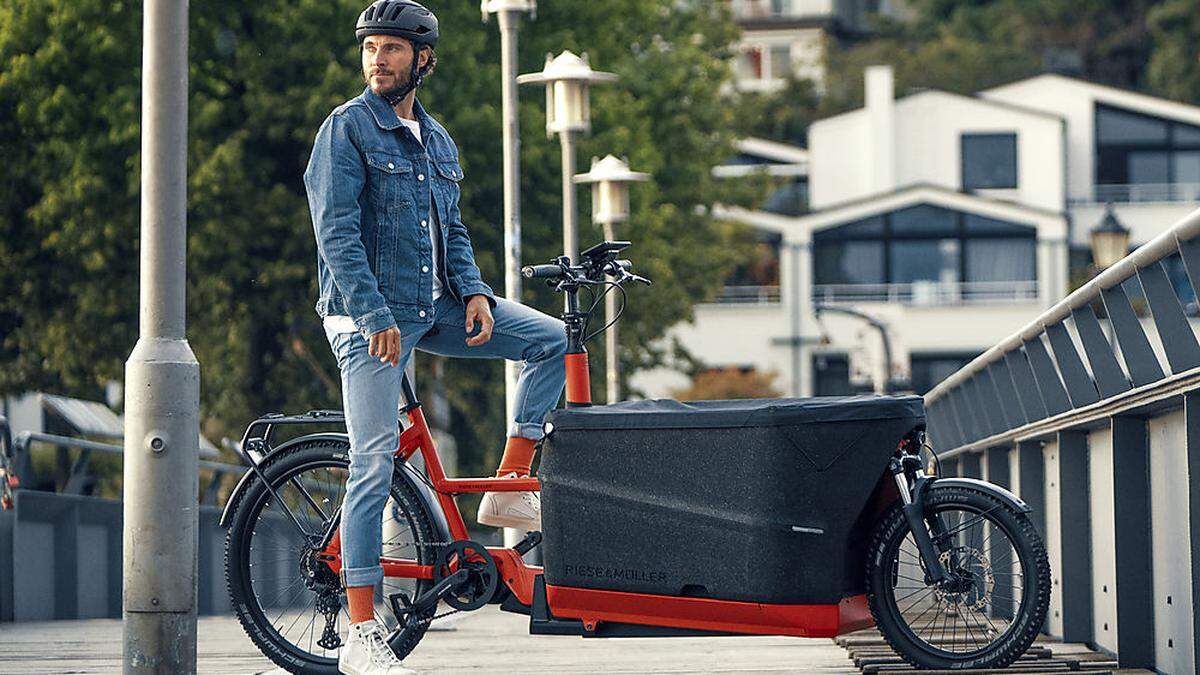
(974, 573)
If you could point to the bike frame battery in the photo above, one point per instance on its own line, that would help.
(761, 500)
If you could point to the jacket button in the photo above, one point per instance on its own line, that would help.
(424, 223)
(391, 166)
(424, 268)
(421, 313)
(420, 176)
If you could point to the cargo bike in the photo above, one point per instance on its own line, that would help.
(794, 517)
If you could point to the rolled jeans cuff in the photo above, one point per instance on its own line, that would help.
(531, 430)
(362, 576)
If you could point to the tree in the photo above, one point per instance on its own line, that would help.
(1174, 68)
(729, 383)
(262, 77)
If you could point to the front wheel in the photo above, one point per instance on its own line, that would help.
(993, 604)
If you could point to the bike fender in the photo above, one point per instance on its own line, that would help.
(249, 476)
(984, 486)
(425, 493)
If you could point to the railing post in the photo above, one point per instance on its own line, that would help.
(1191, 407)
(1131, 516)
(1135, 346)
(1000, 557)
(1110, 379)
(1076, 540)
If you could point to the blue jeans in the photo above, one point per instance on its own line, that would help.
(371, 397)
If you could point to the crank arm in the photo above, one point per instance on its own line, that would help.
(430, 598)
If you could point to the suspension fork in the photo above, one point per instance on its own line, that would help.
(913, 501)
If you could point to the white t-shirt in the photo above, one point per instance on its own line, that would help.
(345, 324)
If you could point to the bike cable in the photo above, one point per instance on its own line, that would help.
(617, 315)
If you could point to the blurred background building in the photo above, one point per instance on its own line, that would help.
(948, 218)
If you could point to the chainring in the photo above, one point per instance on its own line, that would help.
(482, 575)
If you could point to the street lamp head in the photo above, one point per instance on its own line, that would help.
(567, 78)
(1110, 240)
(497, 6)
(610, 178)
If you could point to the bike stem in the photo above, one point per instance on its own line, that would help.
(579, 384)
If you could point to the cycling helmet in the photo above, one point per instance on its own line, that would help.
(406, 19)
(402, 18)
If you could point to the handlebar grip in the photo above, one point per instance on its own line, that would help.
(625, 264)
(541, 271)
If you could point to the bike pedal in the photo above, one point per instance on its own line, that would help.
(529, 543)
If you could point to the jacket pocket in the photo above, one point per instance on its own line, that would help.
(449, 173)
(385, 179)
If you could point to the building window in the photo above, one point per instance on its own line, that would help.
(930, 369)
(989, 161)
(1142, 157)
(750, 66)
(781, 61)
(966, 255)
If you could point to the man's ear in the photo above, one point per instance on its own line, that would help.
(423, 57)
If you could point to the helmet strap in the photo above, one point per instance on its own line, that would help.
(415, 77)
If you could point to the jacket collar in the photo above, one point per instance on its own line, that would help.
(386, 117)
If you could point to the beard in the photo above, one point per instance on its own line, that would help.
(398, 81)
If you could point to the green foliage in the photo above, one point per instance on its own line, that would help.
(262, 77)
(1174, 68)
(965, 47)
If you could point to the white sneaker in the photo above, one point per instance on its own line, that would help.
(367, 652)
(518, 510)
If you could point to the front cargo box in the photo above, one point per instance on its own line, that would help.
(752, 500)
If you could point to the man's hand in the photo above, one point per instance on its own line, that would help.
(479, 311)
(386, 345)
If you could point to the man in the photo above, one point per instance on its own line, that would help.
(397, 272)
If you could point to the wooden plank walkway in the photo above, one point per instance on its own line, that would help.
(486, 640)
(871, 655)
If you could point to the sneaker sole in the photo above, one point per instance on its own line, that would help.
(509, 521)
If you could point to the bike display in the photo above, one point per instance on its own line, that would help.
(826, 523)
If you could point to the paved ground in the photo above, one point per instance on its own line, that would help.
(484, 641)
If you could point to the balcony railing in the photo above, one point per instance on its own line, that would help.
(1143, 192)
(928, 293)
(781, 9)
(757, 295)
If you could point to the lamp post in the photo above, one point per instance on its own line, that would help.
(162, 378)
(1110, 240)
(508, 14)
(567, 78)
(610, 178)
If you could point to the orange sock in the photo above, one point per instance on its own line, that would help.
(362, 603)
(518, 456)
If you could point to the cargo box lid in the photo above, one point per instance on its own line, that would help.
(759, 412)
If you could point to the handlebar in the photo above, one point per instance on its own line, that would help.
(541, 271)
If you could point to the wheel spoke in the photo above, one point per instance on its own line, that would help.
(955, 619)
(276, 560)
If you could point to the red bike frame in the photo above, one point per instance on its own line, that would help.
(589, 606)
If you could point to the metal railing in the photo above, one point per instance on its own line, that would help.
(1143, 192)
(23, 465)
(1097, 428)
(760, 295)
(929, 292)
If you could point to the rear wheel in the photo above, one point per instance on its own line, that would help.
(993, 606)
(290, 604)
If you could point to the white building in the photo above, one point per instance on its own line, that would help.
(782, 37)
(948, 219)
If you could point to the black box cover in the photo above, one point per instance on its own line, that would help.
(757, 500)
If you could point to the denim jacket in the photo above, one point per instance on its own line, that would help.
(369, 183)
